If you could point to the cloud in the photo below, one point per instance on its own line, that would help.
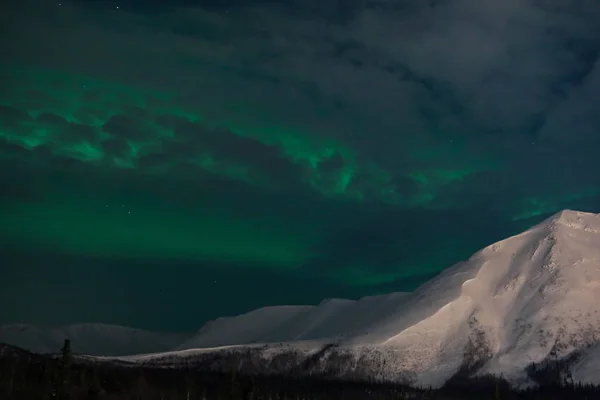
(333, 164)
(124, 127)
(193, 139)
(391, 80)
(116, 147)
(68, 133)
(11, 118)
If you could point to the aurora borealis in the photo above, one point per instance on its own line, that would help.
(160, 166)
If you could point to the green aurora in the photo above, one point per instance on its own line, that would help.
(65, 116)
(218, 168)
(64, 107)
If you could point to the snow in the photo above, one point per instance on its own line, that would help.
(529, 298)
(332, 320)
(244, 329)
(527, 295)
(588, 367)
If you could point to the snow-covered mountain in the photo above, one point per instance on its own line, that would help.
(92, 339)
(533, 297)
(331, 320)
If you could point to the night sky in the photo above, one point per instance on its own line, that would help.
(164, 163)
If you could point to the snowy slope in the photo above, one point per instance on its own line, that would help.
(587, 369)
(243, 329)
(525, 299)
(92, 339)
(530, 294)
(331, 320)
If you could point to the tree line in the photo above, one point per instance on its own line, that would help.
(28, 376)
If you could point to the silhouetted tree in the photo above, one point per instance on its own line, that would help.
(119, 381)
(61, 379)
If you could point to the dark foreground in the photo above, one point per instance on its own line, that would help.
(25, 376)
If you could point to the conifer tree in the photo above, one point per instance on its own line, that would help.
(60, 384)
(65, 369)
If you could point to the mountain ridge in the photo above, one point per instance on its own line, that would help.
(518, 301)
(530, 298)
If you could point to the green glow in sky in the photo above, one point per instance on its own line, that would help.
(325, 167)
(90, 102)
(137, 229)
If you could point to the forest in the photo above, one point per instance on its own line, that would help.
(63, 376)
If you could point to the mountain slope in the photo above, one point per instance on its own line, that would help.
(518, 301)
(331, 320)
(243, 329)
(528, 298)
(92, 339)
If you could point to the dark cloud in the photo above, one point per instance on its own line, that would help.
(153, 160)
(502, 69)
(494, 78)
(67, 133)
(52, 119)
(227, 147)
(172, 121)
(21, 125)
(331, 170)
(52, 159)
(10, 149)
(332, 164)
(116, 147)
(126, 127)
(77, 133)
(11, 118)
(186, 130)
(266, 158)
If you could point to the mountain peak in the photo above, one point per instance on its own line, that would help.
(573, 218)
(521, 300)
